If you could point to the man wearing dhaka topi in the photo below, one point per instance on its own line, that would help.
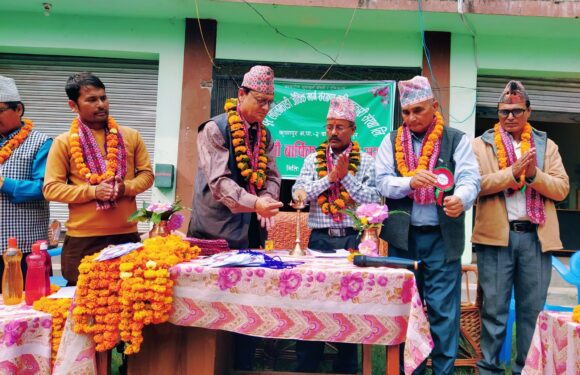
(337, 175)
(516, 226)
(98, 167)
(429, 170)
(238, 184)
(23, 151)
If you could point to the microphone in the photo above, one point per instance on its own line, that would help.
(392, 262)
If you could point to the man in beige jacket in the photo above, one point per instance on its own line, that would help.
(516, 226)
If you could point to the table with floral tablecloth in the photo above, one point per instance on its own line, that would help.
(324, 299)
(555, 347)
(25, 338)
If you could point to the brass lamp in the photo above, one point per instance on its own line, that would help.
(298, 203)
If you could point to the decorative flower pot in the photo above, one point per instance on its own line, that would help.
(159, 230)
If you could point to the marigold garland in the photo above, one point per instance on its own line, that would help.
(337, 205)
(501, 152)
(58, 308)
(117, 298)
(112, 157)
(426, 150)
(576, 314)
(255, 175)
(15, 142)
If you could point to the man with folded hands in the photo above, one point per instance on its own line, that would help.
(516, 226)
(337, 175)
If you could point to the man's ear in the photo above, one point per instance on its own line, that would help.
(435, 104)
(73, 106)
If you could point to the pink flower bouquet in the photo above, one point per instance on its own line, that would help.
(157, 212)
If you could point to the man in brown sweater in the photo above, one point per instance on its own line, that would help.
(516, 226)
(98, 168)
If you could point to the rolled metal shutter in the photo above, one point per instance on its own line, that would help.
(131, 87)
(551, 100)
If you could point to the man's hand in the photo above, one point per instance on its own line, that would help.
(119, 189)
(340, 169)
(423, 178)
(267, 222)
(521, 165)
(453, 206)
(300, 195)
(267, 206)
(531, 168)
(104, 190)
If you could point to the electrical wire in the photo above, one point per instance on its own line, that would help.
(428, 59)
(287, 36)
(346, 32)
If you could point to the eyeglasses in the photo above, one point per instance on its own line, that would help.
(262, 101)
(2, 110)
(516, 112)
(338, 128)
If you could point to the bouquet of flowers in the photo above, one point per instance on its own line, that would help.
(368, 216)
(158, 212)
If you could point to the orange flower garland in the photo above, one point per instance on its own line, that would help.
(58, 308)
(335, 207)
(147, 290)
(501, 152)
(257, 177)
(576, 314)
(426, 151)
(15, 142)
(118, 297)
(112, 161)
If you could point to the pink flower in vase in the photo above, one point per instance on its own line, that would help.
(175, 221)
(368, 247)
(375, 213)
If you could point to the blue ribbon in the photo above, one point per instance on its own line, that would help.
(271, 262)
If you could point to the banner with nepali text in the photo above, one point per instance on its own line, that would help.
(297, 120)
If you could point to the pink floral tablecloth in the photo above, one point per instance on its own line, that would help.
(25, 336)
(76, 353)
(555, 346)
(323, 299)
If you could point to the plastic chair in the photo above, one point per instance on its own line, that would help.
(571, 276)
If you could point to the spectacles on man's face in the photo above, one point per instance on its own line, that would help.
(2, 110)
(262, 101)
(516, 112)
(338, 128)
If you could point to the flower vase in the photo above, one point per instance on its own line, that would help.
(159, 230)
(373, 235)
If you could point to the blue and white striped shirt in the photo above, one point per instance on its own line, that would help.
(361, 188)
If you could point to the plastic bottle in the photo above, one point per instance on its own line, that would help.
(12, 283)
(35, 276)
(47, 263)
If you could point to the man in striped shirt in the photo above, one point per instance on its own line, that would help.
(337, 175)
